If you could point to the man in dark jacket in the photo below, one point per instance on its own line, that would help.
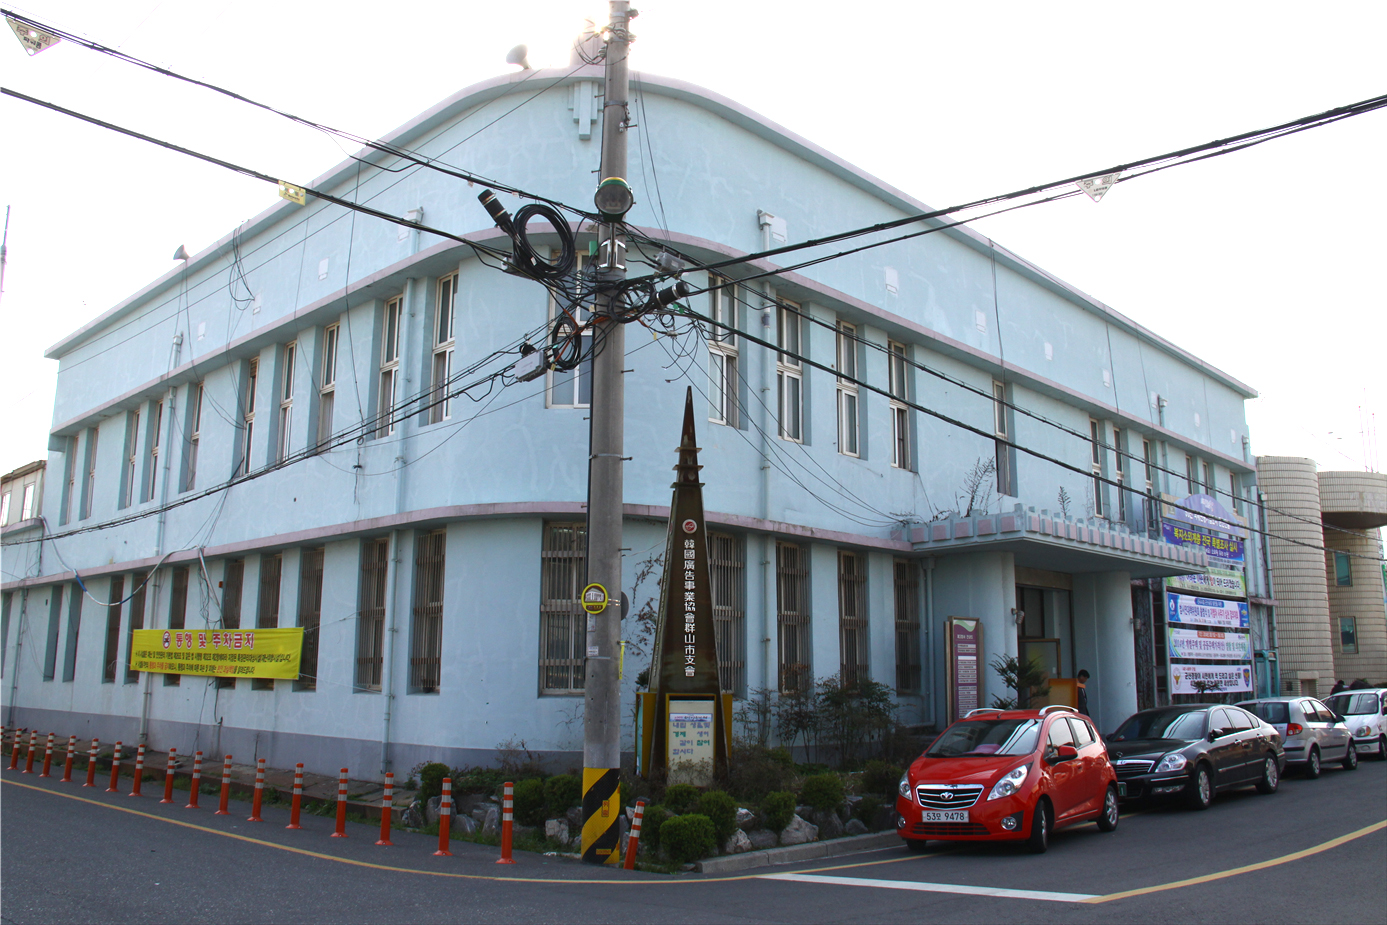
(1082, 678)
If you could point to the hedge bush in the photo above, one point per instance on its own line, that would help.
(431, 780)
(779, 809)
(823, 791)
(721, 810)
(866, 810)
(682, 798)
(880, 777)
(654, 817)
(561, 792)
(530, 802)
(687, 838)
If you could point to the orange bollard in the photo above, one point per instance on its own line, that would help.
(14, 751)
(633, 844)
(341, 831)
(507, 807)
(387, 800)
(67, 764)
(445, 815)
(91, 764)
(298, 798)
(226, 788)
(259, 791)
(168, 779)
(139, 771)
(115, 772)
(33, 744)
(48, 756)
(197, 781)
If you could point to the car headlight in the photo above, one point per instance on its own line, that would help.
(903, 788)
(1363, 732)
(1172, 762)
(1009, 784)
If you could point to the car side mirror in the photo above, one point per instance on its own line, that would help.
(1214, 734)
(1065, 753)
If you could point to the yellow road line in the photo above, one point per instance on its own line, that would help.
(1245, 869)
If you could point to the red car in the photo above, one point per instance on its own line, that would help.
(1008, 775)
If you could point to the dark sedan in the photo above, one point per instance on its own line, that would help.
(1192, 751)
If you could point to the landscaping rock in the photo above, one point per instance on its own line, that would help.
(479, 813)
(737, 843)
(803, 811)
(491, 821)
(828, 823)
(466, 804)
(761, 839)
(557, 829)
(884, 819)
(576, 844)
(412, 818)
(746, 820)
(575, 819)
(518, 830)
(799, 832)
(855, 827)
(464, 824)
(431, 810)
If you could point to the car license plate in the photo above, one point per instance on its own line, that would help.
(945, 815)
(1121, 788)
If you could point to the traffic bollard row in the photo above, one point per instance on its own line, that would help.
(298, 798)
(197, 781)
(91, 764)
(67, 764)
(259, 791)
(226, 789)
(48, 756)
(139, 771)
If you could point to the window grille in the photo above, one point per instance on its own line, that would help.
(792, 617)
(310, 616)
(370, 624)
(727, 569)
(848, 429)
(426, 635)
(562, 629)
(854, 651)
(790, 374)
(267, 613)
(231, 604)
(112, 658)
(907, 627)
(140, 581)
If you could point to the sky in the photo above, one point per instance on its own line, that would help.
(1268, 263)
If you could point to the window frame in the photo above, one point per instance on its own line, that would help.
(1120, 473)
(909, 668)
(854, 627)
(149, 484)
(288, 361)
(724, 353)
(727, 584)
(561, 617)
(388, 369)
(1096, 459)
(327, 383)
(848, 398)
(1343, 569)
(194, 436)
(794, 629)
(426, 613)
(89, 488)
(249, 389)
(1002, 431)
(789, 372)
(372, 591)
(898, 385)
(1348, 629)
(574, 380)
(132, 458)
(444, 343)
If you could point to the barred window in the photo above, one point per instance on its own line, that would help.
(855, 664)
(562, 630)
(426, 633)
(907, 627)
(112, 659)
(370, 621)
(792, 616)
(232, 581)
(727, 569)
(267, 614)
(310, 616)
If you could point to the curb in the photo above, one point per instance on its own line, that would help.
(806, 852)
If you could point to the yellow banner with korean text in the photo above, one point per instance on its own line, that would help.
(258, 653)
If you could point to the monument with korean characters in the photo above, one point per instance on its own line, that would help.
(684, 722)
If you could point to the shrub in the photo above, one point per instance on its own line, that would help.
(866, 810)
(530, 802)
(823, 791)
(755, 771)
(687, 838)
(561, 792)
(651, 822)
(430, 780)
(478, 780)
(880, 777)
(682, 798)
(721, 810)
(779, 809)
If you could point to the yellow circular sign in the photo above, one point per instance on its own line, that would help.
(594, 598)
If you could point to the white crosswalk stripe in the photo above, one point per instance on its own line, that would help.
(918, 886)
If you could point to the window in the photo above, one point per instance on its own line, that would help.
(132, 461)
(792, 617)
(440, 406)
(286, 401)
(848, 430)
(327, 389)
(111, 660)
(999, 426)
(141, 582)
(1208, 479)
(1148, 452)
(156, 421)
(74, 624)
(1234, 491)
(248, 415)
(898, 374)
(789, 373)
(69, 479)
(370, 621)
(426, 633)
(907, 627)
(1096, 443)
(6, 603)
(310, 616)
(178, 612)
(232, 583)
(55, 617)
(853, 645)
(89, 487)
(562, 630)
(267, 611)
(572, 388)
(1120, 464)
(194, 439)
(727, 569)
(27, 508)
(1343, 570)
(389, 368)
(723, 351)
(1191, 474)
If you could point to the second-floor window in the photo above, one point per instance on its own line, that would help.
(327, 388)
(194, 437)
(1096, 459)
(389, 368)
(848, 430)
(789, 373)
(1120, 468)
(572, 388)
(440, 405)
(723, 350)
(1003, 447)
(900, 413)
(132, 458)
(248, 415)
(89, 489)
(286, 402)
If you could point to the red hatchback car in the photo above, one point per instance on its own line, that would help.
(1008, 776)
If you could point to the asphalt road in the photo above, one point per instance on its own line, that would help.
(83, 860)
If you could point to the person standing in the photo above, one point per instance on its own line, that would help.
(1338, 686)
(1082, 678)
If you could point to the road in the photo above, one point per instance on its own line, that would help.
(1314, 852)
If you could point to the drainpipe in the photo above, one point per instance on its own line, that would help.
(929, 639)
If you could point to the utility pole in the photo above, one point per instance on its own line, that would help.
(601, 688)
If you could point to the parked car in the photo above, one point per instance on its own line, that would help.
(1365, 712)
(1310, 732)
(1014, 775)
(1193, 751)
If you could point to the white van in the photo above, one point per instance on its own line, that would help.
(1365, 712)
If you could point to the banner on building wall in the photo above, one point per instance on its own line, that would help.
(1210, 679)
(259, 653)
(1226, 582)
(1205, 611)
(965, 655)
(1210, 644)
(1229, 549)
(1203, 511)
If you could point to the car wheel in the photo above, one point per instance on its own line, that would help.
(1201, 788)
(1271, 777)
(1039, 841)
(916, 845)
(1312, 764)
(1382, 748)
(1107, 820)
(1351, 757)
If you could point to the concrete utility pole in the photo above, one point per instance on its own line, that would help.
(602, 690)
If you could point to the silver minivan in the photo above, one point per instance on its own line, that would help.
(1313, 734)
(1365, 711)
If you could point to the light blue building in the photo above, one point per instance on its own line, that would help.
(435, 561)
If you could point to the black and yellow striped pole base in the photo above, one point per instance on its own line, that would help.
(601, 815)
